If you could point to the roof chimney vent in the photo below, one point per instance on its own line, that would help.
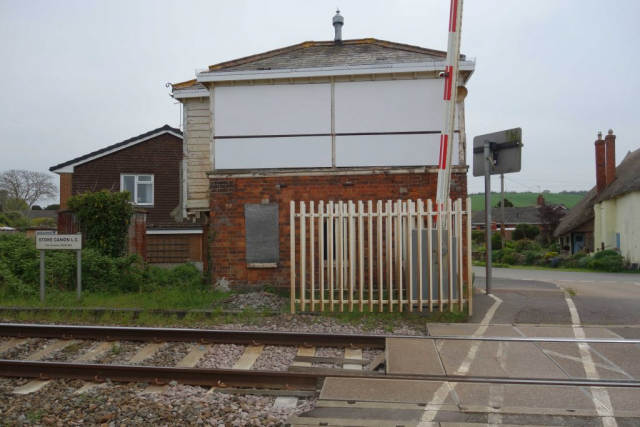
(338, 22)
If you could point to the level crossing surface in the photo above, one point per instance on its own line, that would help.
(452, 401)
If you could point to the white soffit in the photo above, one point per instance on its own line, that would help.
(223, 76)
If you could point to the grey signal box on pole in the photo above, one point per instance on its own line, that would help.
(495, 154)
(505, 149)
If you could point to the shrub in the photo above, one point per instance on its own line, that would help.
(104, 218)
(579, 255)
(550, 255)
(605, 253)
(610, 263)
(496, 256)
(509, 244)
(477, 236)
(554, 247)
(526, 245)
(531, 257)
(496, 241)
(525, 231)
(585, 262)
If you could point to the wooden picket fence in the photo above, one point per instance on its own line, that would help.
(348, 257)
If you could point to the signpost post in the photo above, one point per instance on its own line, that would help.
(495, 154)
(58, 242)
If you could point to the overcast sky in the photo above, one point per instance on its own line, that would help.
(80, 75)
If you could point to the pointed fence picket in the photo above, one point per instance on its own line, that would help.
(382, 256)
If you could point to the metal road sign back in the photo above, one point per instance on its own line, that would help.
(506, 152)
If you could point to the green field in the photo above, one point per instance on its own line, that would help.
(527, 199)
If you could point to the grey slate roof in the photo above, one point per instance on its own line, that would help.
(330, 54)
(119, 144)
(627, 179)
(352, 53)
(514, 215)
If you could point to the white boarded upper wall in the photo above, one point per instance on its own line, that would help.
(342, 124)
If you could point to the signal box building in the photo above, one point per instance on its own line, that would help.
(329, 120)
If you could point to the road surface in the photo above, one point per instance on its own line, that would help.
(536, 296)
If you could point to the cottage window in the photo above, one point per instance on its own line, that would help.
(140, 187)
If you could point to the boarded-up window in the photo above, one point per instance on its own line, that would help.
(262, 233)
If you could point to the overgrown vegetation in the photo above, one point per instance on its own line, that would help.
(104, 218)
(102, 275)
(527, 252)
(528, 248)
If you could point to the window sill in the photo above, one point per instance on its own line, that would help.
(262, 265)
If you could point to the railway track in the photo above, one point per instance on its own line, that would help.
(301, 376)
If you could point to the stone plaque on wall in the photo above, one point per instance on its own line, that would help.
(262, 230)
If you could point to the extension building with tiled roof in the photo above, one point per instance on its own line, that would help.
(149, 166)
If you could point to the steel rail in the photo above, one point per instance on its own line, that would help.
(205, 336)
(224, 378)
(253, 337)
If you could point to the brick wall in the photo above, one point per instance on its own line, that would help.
(160, 156)
(66, 188)
(228, 196)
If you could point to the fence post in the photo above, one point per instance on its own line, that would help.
(312, 259)
(399, 252)
(430, 253)
(419, 225)
(339, 257)
(380, 258)
(303, 254)
(439, 205)
(360, 248)
(321, 230)
(330, 270)
(370, 232)
(292, 243)
(390, 255)
(409, 253)
(460, 240)
(352, 253)
(450, 253)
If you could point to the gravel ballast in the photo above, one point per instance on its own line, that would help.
(118, 405)
(275, 358)
(221, 356)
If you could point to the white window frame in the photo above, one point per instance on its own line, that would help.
(135, 195)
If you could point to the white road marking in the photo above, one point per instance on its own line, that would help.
(440, 396)
(600, 394)
(577, 359)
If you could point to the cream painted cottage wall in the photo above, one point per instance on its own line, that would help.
(619, 216)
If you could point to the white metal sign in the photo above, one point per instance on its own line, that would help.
(59, 242)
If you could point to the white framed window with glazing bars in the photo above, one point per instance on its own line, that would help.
(140, 186)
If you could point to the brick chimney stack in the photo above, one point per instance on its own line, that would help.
(610, 156)
(601, 172)
(540, 200)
